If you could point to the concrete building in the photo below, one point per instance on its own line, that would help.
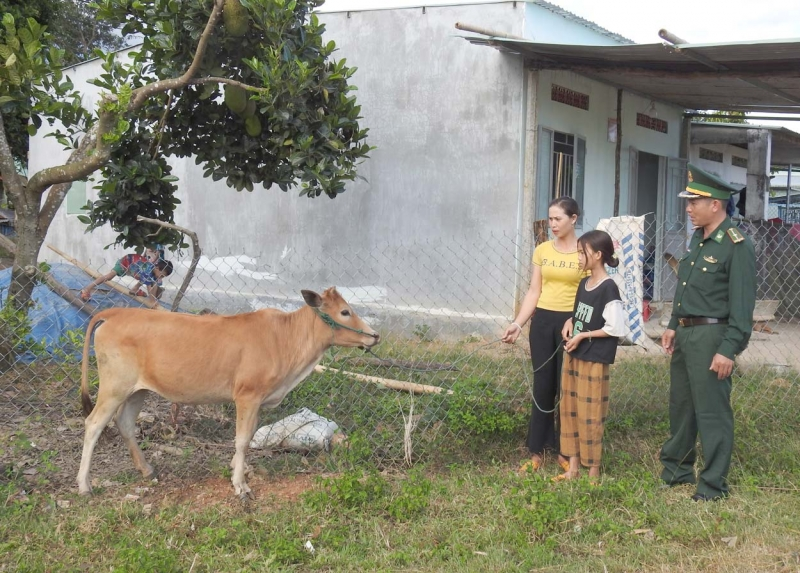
(728, 150)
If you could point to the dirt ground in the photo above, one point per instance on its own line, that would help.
(41, 438)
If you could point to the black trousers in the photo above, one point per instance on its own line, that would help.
(545, 336)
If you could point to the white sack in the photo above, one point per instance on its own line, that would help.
(305, 431)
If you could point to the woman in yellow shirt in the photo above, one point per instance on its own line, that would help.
(549, 304)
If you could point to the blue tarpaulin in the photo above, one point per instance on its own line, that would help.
(52, 316)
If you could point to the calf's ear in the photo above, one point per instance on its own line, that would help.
(311, 298)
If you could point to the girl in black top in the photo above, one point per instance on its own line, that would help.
(590, 338)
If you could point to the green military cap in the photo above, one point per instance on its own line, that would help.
(703, 184)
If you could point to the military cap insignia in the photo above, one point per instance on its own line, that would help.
(691, 179)
(735, 235)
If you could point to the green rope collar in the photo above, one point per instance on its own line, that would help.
(328, 319)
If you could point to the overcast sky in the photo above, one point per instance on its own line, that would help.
(696, 21)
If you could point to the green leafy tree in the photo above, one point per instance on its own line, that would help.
(75, 28)
(729, 117)
(78, 31)
(43, 11)
(247, 87)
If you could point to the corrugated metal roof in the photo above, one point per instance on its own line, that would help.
(750, 76)
(582, 21)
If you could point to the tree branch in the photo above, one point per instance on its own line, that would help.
(196, 252)
(83, 164)
(161, 125)
(141, 94)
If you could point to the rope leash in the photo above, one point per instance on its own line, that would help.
(395, 364)
(451, 366)
(530, 384)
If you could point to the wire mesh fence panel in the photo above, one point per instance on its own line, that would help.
(439, 380)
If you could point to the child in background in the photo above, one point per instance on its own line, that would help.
(147, 269)
(590, 338)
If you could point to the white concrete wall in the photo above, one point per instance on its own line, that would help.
(725, 170)
(593, 126)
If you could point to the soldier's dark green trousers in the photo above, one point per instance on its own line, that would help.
(698, 401)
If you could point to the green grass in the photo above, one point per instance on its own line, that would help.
(466, 517)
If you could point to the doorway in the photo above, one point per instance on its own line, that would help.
(654, 183)
(644, 194)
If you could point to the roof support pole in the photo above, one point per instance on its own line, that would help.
(686, 138)
(788, 189)
(486, 31)
(618, 153)
(759, 143)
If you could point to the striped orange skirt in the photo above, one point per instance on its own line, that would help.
(583, 409)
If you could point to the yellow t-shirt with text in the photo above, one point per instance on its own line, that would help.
(561, 275)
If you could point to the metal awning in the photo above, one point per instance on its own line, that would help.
(761, 76)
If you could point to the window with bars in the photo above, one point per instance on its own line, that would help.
(561, 161)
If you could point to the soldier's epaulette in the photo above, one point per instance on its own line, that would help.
(735, 235)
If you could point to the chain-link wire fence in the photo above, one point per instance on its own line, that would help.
(439, 379)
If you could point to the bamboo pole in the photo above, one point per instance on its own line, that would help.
(8, 244)
(94, 274)
(64, 292)
(389, 383)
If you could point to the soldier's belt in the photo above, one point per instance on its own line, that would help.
(700, 321)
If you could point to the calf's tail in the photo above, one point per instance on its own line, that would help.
(86, 400)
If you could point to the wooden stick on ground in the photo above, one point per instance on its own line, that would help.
(389, 383)
(94, 274)
(196, 252)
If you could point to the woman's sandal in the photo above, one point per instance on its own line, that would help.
(531, 465)
(563, 464)
(563, 477)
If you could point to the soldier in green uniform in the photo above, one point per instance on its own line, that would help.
(712, 318)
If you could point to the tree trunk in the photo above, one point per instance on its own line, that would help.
(23, 273)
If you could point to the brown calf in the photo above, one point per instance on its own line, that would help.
(251, 359)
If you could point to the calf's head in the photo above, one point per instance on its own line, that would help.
(346, 326)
